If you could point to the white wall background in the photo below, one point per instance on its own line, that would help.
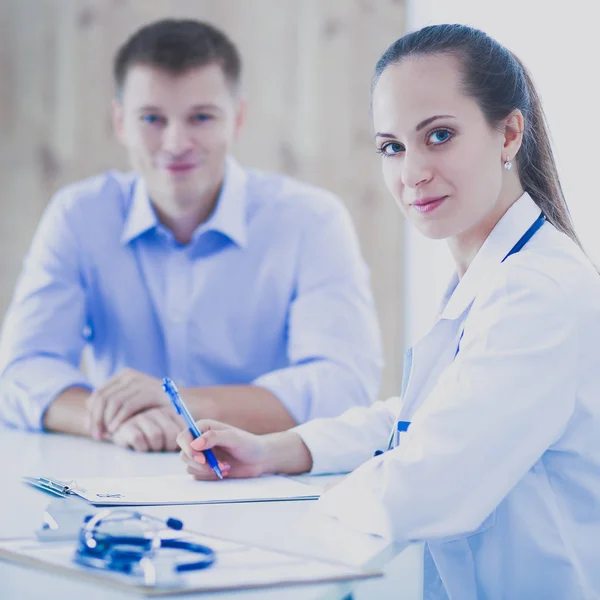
(560, 44)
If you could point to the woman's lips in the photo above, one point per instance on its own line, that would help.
(427, 205)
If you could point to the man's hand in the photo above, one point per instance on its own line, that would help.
(120, 398)
(153, 430)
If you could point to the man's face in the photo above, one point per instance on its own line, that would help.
(178, 130)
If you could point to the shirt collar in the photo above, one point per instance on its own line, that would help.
(507, 232)
(228, 217)
(140, 216)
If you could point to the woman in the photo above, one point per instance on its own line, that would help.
(499, 471)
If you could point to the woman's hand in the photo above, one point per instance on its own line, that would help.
(243, 454)
(240, 454)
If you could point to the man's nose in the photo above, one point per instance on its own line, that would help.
(176, 138)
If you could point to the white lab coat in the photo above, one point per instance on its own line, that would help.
(500, 469)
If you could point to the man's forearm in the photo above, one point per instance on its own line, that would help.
(248, 407)
(68, 412)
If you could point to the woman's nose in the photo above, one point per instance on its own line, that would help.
(416, 169)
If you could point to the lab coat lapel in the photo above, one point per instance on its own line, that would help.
(436, 351)
(426, 360)
(507, 232)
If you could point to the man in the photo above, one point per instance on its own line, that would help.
(247, 288)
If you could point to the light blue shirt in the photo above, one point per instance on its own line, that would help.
(272, 291)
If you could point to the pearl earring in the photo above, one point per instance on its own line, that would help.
(507, 164)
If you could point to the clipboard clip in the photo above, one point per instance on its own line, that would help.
(51, 485)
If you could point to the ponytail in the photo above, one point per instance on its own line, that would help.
(537, 167)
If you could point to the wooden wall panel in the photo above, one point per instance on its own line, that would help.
(308, 65)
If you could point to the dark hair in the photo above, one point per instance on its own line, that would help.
(499, 83)
(176, 46)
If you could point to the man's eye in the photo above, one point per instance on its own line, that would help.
(152, 119)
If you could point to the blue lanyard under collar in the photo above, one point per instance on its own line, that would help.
(526, 236)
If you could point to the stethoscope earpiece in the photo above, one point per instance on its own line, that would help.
(174, 524)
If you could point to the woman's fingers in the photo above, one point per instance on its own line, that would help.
(187, 443)
(203, 471)
(225, 438)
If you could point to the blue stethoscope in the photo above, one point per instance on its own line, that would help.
(131, 554)
(401, 426)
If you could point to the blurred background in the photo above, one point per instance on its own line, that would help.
(308, 65)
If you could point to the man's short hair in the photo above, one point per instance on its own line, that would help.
(175, 46)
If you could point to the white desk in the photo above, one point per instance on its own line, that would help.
(294, 526)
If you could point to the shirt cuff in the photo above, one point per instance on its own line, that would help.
(293, 387)
(343, 444)
(28, 387)
(328, 455)
(315, 389)
(315, 438)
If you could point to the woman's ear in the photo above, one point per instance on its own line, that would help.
(513, 133)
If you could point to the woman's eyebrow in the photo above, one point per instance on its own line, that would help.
(431, 120)
(384, 135)
(420, 126)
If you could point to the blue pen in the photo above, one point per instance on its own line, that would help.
(173, 393)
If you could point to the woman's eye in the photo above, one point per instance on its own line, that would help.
(439, 136)
(391, 148)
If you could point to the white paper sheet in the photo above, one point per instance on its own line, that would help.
(183, 489)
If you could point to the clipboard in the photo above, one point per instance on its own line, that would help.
(177, 489)
(239, 566)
